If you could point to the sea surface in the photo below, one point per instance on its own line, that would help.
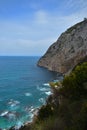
(23, 88)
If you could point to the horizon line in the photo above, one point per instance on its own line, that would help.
(20, 55)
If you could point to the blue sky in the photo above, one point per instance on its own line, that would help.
(29, 27)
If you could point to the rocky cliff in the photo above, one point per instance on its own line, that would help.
(69, 50)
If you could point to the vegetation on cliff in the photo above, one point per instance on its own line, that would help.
(66, 108)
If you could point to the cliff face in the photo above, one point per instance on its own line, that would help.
(69, 50)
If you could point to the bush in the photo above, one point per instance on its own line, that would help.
(45, 111)
(71, 113)
(73, 87)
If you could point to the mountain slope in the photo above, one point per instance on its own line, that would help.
(69, 50)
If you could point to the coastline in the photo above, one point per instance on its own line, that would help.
(31, 85)
(61, 98)
(28, 123)
(35, 111)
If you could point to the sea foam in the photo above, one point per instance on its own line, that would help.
(42, 100)
(42, 89)
(48, 93)
(28, 94)
(46, 84)
(4, 113)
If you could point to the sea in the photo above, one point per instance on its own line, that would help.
(24, 87)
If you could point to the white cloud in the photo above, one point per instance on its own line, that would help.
(76, 4)
(41, 17)
(34, 36)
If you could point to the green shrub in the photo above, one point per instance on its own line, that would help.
(82, 120)
(73, 87)
(71, 113)
(45, 111)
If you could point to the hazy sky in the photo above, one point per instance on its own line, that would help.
(29, 27)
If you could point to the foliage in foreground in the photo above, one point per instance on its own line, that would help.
(71, 113)
(75, 85)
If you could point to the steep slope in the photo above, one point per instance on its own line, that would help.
(69, 50)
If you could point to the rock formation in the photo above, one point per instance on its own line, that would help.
(69, 50)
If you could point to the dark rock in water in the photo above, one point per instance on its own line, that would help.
(69, 50)
(12, 128)
(25, 127)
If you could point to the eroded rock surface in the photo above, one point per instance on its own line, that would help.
(69, 50)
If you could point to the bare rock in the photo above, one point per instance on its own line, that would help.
(69, 50)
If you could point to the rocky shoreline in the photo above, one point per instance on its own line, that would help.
(66, 53)
(28, 124)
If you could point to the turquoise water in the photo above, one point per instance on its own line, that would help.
(23, 88)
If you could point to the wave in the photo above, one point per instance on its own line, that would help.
(48, 93)
(29, 109)
(18, 125)
(42, 100)
(42, 89)
(4, 113)
(46, 84)
(13, 102)
(28, 94)
(56, 80)
(31, 115)
(11, 115)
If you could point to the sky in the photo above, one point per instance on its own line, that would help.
(29, 27)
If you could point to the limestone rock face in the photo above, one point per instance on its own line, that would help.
(69, 50)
